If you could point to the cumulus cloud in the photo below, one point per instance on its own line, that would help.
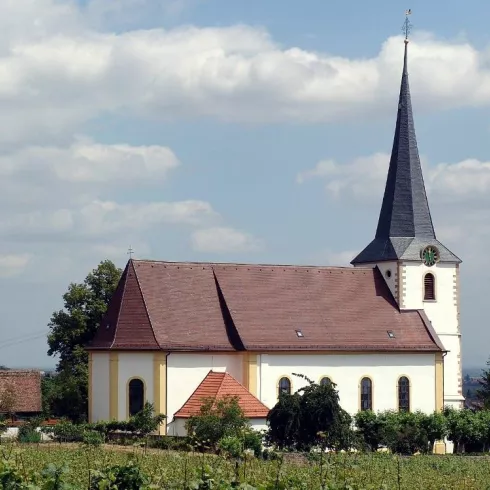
(102, 218)
(224, 240)
(59, 69)
(89, 162)
(365, 177)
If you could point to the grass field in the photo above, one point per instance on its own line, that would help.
(171, 470)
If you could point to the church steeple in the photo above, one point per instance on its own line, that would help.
(405, 209)
(405, 222)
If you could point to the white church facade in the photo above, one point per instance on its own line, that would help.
(385, 331)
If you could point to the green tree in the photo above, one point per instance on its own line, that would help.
(70, 330)
(217, 419)
(483, 393)
(310, 417)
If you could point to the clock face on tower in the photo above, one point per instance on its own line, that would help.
(429, 255)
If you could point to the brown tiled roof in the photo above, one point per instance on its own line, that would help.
(26, 386)
(219, 386)
(203, 306)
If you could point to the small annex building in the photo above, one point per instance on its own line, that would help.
(219, 386)
(385, 331)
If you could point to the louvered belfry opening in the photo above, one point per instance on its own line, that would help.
(429, 287)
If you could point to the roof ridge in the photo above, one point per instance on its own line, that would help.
(144, 302)
(242, 264)
(244, 387)
(125, 274)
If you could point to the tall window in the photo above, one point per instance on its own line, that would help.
(429, 287)
(325, 381)
(403, 394)
(284, 386)
(366, 394)
(136, 394)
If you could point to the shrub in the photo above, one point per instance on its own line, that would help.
(370, 428)
(231, 446)
(252, 440)
(93, 438)
(129, 477)
(404, 433)
(144, 422)
(28, 432)
(310, 417)
(65, 432)
(217, 419)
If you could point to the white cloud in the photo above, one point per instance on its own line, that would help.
(105, 218)
(58, 71)
(362, 177)
(223, 240)
(12, 264)
(89, 162)
(365, 177)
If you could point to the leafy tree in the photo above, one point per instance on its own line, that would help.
(371, 428)
(70, 330)
(483, 393)
(435, 427)
(217, 419)
(310, 417)
(145, 421)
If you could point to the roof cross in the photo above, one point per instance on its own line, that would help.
(407, 26)
(130, 252)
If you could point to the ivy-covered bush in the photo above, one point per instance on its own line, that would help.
(311, 417)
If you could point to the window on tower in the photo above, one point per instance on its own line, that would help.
(404, 394)
(429, 287)
(366, 394)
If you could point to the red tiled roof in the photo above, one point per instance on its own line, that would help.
(218, 386)
(26, 389)
(201, 306)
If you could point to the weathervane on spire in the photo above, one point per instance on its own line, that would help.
(407, 26)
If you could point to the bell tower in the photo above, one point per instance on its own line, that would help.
(420, 271)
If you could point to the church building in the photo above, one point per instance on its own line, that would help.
(385, 331)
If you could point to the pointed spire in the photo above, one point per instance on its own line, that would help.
(405, 223)
(405, 209)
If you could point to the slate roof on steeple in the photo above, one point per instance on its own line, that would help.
(405, 223)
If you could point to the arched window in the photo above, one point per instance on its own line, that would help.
(404, 394)
(366, 394)
(429, 287)
(136, 395)
(284, 386)
(325, 381)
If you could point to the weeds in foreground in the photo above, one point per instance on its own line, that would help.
(55, 467)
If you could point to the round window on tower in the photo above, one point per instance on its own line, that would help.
(388, 273)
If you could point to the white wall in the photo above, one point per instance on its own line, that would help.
(100, 386)
(443, 314)
(347, 370)
(185, 371)
(134, 365)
